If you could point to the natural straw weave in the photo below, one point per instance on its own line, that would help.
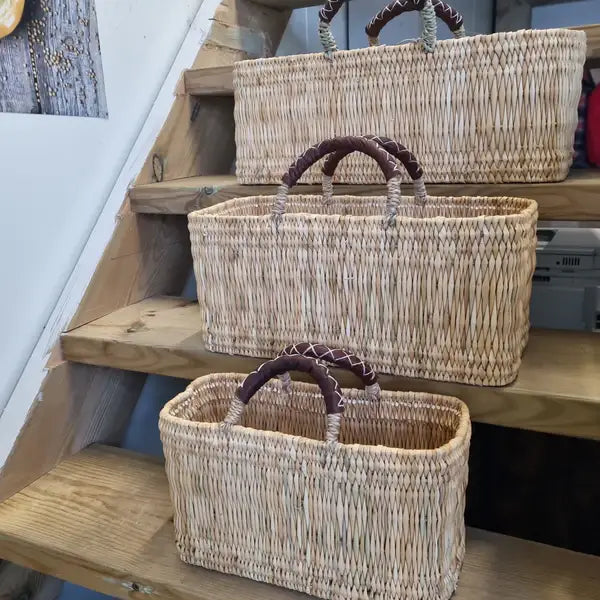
(443, 293)
(487, 108)
(378, 515)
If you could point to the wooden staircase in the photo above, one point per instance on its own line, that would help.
(101, 517)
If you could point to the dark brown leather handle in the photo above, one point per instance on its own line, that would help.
(330, 9)
(443, 11)
(336, 356)
(348, 144)
(402, 153)
(334, 401)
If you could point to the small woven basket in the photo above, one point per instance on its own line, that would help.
(259, 494)
(485, 108)
(431, 287)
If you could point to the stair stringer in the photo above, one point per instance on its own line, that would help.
(58, 408)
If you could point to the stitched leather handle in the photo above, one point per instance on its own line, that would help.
(402, 153)
(453, 19)
(336, 356)
(384, 159)
(330, 9)
(334, 401)
(326, 15)
(346, 144)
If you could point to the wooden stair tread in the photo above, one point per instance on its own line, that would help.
(593, 40)
(575, 199)
(557, 391)
(103, 519)
(219, 81)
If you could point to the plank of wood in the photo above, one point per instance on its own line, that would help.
(557, 391)
(145, 257)
(59, 61)
(212, 81)
(575, 199)
(103, 519)
(593, 40)
(198, 137)
(76, 406)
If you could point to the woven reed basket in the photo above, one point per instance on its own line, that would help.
(487, 108)
(432, 287)
(258, 493)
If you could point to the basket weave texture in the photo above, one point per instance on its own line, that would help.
(442, 294)
(487, 108)
(378, 515)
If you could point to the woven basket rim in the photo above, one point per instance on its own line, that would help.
(460, 436)
(217, 212)
(569, 35)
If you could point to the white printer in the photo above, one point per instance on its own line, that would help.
(566, 283)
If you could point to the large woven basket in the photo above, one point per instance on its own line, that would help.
(379, 514)
(486, 108)
(438, 288)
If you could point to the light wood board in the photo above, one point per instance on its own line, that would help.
(212, 81)
(593, 40)
(103, 519)
(76, 406)
(557, 391)
(576, 199)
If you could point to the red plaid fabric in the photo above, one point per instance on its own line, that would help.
(580, 159)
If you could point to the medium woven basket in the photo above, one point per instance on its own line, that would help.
(437, 288)
(258, 493)
(487, 108)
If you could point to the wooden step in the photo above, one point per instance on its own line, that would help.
(212, 81)
(576, 199)
(593, 40)
(219, 81)
(103, 519)
(290, 3)
(557, 391)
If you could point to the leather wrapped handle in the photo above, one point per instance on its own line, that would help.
(338, 357)
(326, 15)
(330, 9)
(334, 401)
(402, 153)
(346, 144)
(453, 19)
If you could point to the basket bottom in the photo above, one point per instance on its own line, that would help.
(326, 585)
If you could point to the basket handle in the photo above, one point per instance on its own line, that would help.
(429, 9)
(350, 144)
(338, 357)
(402, 153)
(326, 15)
(334, 401)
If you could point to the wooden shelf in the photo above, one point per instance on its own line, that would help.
(557, 391)
(213, 81)
(593, 40)
(576, 199)
(103, 519)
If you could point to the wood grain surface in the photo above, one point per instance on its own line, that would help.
(575, 199)
(557, 391)
(103, 519)
(52, 63)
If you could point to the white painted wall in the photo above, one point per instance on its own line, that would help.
(57, 172)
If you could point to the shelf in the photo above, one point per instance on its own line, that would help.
(576, 199)
(213, 81)
(593, 40)
(557, 391)
(103, 519)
